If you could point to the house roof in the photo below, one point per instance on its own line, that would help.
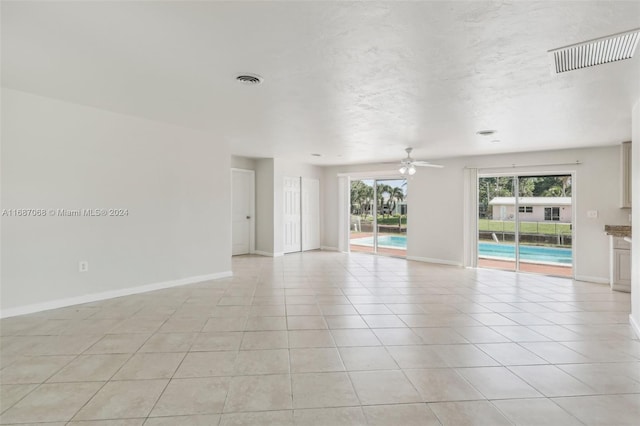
(531, 201)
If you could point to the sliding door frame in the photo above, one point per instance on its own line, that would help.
(350, 177)
(486, 173)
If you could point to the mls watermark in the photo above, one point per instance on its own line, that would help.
(65, 212)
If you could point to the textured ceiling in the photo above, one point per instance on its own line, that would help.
(356, 82)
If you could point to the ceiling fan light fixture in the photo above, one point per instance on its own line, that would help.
(408, 164)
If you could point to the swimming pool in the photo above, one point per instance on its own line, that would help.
(533, 254)
(388, 241)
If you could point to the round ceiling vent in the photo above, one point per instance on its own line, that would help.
(250, 79)
(485, 132)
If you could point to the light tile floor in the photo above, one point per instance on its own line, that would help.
(331, 339)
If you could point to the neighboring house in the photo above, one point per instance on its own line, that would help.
(533, 209)
(400, 208)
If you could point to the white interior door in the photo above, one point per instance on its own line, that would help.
(310, 194)
(292, 215)
(242, 211)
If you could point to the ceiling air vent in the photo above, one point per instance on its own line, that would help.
(249, 79)
(612, 48)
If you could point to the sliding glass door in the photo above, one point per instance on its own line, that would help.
(496, 223)
(391, 218)
(362, 216)
(532, 232)
(545, 224)
(378, 216)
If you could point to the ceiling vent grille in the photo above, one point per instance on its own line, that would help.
(249, 79)
(616, 47)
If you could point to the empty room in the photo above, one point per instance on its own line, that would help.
(319, 213)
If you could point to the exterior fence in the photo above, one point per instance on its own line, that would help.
(559, 240)
(533, 228)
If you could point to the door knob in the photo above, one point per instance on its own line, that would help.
(248, 217)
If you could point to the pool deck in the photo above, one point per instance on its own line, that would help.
(381, 250)
(537, 268)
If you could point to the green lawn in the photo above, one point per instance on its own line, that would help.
(547, 228)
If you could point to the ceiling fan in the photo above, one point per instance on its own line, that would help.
(408, 165)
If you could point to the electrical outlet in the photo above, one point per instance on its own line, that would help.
(83, 266)
(592, 214)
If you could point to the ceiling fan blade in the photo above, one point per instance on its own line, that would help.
(427, 164)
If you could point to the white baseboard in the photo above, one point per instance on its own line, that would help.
(327, 248)
(95, 297)
(635, 326)
(597, 280)
(431, 260)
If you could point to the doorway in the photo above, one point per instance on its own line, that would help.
(242, 211)
(530, 232)
(378, 216)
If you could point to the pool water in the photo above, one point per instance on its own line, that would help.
(527, 253)
(390, 241)
(501, 251)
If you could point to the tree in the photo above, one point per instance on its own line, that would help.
(491, 187)
(553, 186)
(397, 194)
(385, 191)
(527, 186)
(361, 197)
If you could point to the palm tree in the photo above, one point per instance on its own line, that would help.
(367, 199)
(397, 194)
(381, 190)
(565, 182)
(361, 195)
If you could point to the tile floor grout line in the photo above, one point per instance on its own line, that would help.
(110, 380)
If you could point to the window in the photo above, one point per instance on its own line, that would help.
(525, 209)
(552, 213)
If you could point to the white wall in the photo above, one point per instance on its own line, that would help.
(635, 198)
(264, 206)
(435, 203)
(58, 155)
(238, 162)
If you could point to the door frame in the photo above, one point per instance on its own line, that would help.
(574, 229)
(252, 208)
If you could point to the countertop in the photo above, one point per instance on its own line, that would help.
(618, 230)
